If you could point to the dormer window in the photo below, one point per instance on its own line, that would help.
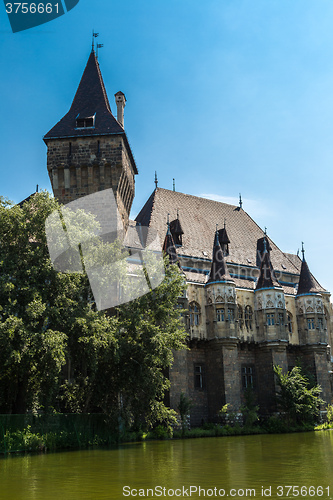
(85, 121)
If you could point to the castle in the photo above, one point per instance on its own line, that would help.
(250, 306)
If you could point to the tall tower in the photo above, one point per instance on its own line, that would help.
(87, 150)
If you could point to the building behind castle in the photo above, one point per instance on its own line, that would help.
(250, 306)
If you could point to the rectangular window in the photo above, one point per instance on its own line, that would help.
(247, 376)
(198, 376)
(231, 315)
(311, 324)
(320, 324)
(270, 319)
(85, 122)
(219, 314)
(281, 319)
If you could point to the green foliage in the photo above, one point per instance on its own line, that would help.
(299, 402)
(222, 413)
(58, 351)
(329, 414)
(250, 410)
(184, 406)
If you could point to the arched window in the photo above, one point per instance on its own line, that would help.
(240, 317)
(248, 317)
(194, 309)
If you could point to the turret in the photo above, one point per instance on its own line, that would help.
(310, 309)
(269, 301)
(220, 296)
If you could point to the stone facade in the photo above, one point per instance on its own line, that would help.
(240, 349)
(84, 165)
(250, 307)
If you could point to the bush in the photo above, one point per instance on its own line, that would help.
(299, 402)
(250, 409)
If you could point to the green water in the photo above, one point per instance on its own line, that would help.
(233, 464)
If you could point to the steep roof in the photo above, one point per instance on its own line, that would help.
(219, 270)
(90, 101)
(307, 283)
(267, 278)
(199, 217)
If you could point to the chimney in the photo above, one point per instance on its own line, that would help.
(121, 103)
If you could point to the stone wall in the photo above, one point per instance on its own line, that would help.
(84, 165)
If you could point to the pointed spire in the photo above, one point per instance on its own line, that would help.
(156, 180)
(219, 270)
(307, 283)
(267, 277)
(169, 247)
(240, 201)
(177, 231)
(265, 243)
(90, 113)
(224, 239)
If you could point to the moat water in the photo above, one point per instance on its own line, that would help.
(273, 466)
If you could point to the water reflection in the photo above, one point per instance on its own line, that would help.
(230, 462)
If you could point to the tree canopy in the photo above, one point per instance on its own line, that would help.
(57, 352)
(297, 399)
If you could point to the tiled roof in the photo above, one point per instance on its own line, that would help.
(297, 261)
(307, 283)
(199, 217)
(201, 278)
(90, 101)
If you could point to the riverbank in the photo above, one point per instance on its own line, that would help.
(73, 436)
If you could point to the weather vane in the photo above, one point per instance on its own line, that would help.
(94, 35)
(99, 46)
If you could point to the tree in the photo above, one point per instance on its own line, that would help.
(296, 398)
(38, 308)
(184, 406)
(58, 351)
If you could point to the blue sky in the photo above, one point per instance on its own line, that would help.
(225, 96)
